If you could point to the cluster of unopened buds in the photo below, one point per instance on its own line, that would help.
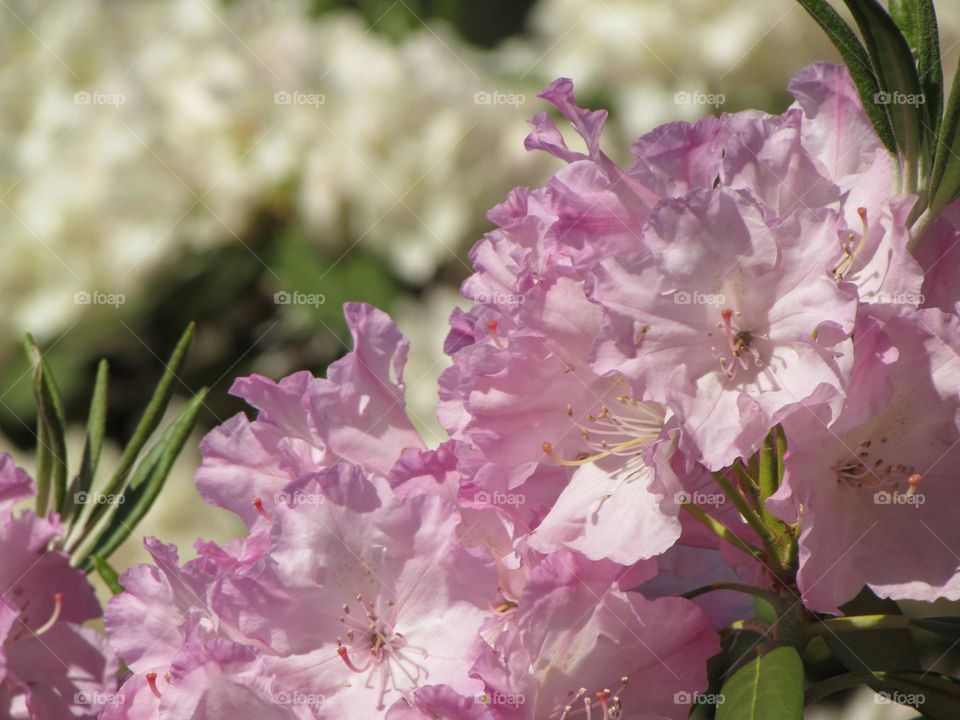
(582, 389)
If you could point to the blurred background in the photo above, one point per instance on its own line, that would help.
(252, 164)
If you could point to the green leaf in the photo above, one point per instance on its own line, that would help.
(143, 489)
(153, 413)
(767, 688)
(936, 696)
(945, 182)
(96, 424)
(858, 63)
(946, 627)
(887, 650)
(918, 21)
(51, 434)
(900, 90)
(110, 577)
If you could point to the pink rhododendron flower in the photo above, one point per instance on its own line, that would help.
(375, 602)
(643, 339)
(50, 666)
(355, 415)
(732, 321)
(876, 488)
(582, 642)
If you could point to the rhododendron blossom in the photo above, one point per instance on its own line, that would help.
(50, 666)
(707, 377)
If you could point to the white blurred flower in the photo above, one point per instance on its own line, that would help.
(637, 54)
(137, 130)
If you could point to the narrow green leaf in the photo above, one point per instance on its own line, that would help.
(900, 90)
(152, 414)
(108, 574)
(769, 687)
(96, 424)
(917, 19)
(946, 627)
(858, 63)
(945, 182)
(51, 434)
(890, 650)
(143, 489)
(904, 14)
(934, 695)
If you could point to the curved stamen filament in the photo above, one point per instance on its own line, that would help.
(54, 616)
(258, 504)
(852, 247)
(342, 652)
(492, 327)
(612, 450)
(152, 682)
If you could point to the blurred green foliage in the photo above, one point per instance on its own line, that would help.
(482, 22)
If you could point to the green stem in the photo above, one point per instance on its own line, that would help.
(723, 531)
(746, 510)
(747, 480)
(770, 469)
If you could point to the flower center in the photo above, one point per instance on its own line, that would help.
(601, 705)
(621, 429)
(740, 351)
(372, 646)
(850, 247)
(868, 468)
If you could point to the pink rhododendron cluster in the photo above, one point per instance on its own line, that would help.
(50, 665)
(638, 335)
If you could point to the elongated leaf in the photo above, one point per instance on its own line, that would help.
(51, 433)
(946, 627)
(153, 413)
(96, 424)
(887, 650)
(145, 485)
(108, 574)
(900, 89)
(767, 688)
(936, 696)
(945, 182)
(858, 63)
(917, 19)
